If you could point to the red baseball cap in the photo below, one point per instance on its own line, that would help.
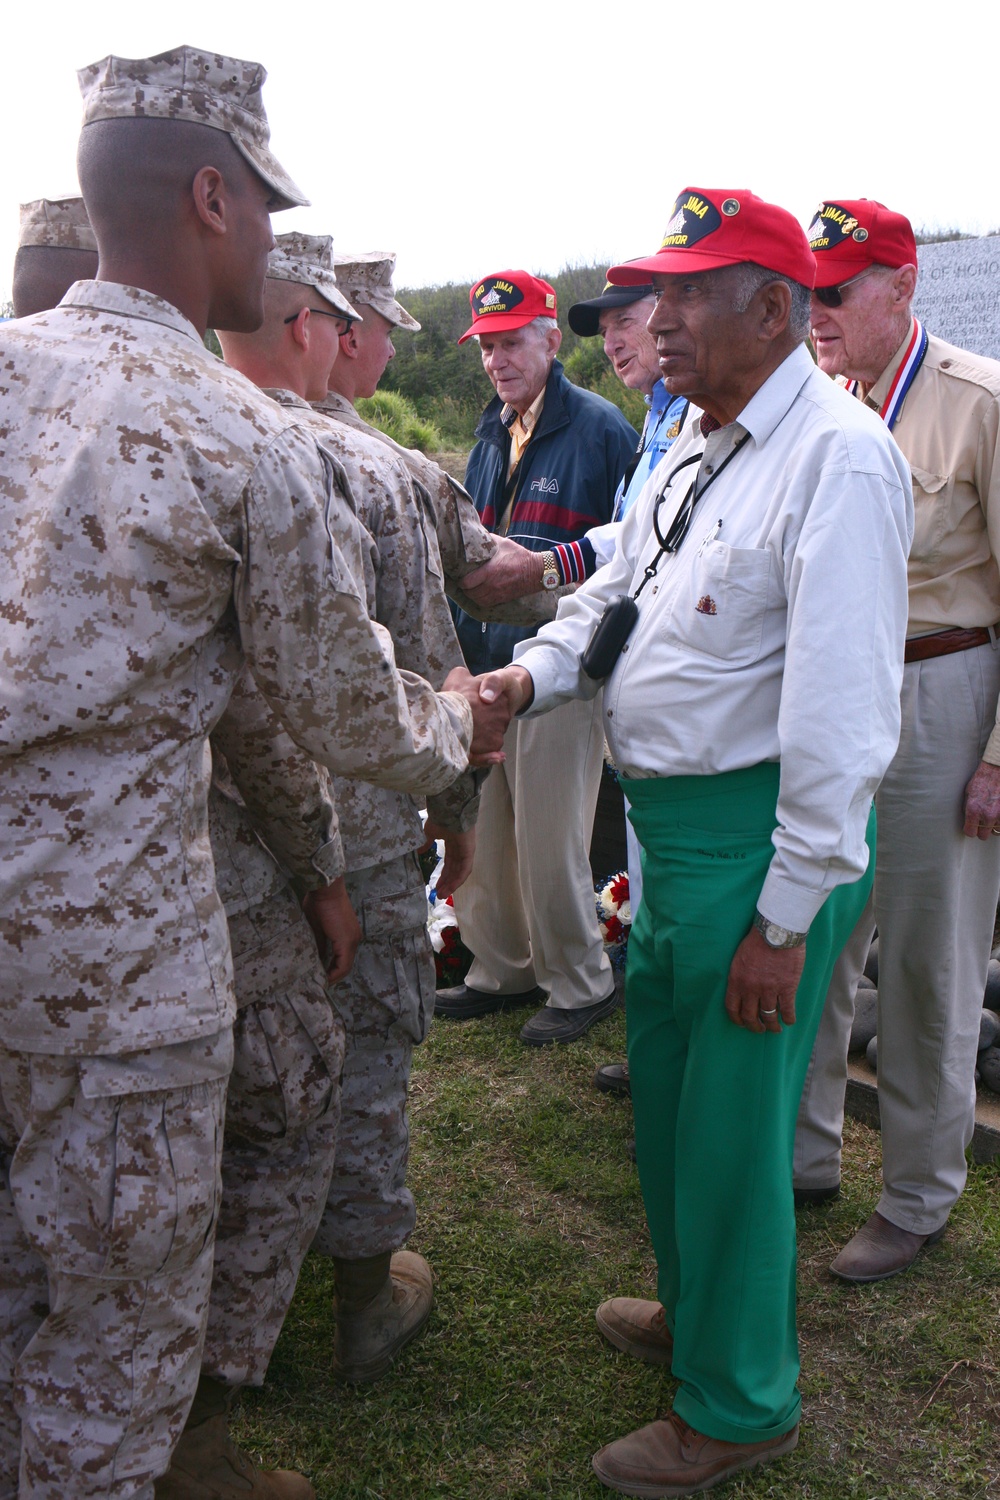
(712, 227)
(847, 235)
(509, 299)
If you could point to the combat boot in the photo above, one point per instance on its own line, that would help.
(207, 1465)
(381, 1303)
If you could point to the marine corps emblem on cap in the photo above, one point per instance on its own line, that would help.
(730, 207)
(203, 88)
(831, 226)
(308, 258)
(56, 224)
(367, 278)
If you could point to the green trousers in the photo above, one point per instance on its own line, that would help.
(715, 1104)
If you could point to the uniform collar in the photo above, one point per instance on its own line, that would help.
(333, 401)
(287, 398)
(128, 302)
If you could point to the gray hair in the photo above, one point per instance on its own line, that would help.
(544, 325)
(752, 277)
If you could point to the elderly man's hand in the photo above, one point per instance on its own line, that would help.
(514, 684)
(760, 992)
(335, 926)
(511, 573)
(982, 802)
(490, 717)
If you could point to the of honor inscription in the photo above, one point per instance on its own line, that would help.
(958, 293)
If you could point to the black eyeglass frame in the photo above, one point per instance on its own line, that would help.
(322, 312)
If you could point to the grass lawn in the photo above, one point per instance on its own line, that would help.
(530, 1213)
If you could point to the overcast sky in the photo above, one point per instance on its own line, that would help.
(475, 138)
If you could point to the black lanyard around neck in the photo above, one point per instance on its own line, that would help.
(671, 543)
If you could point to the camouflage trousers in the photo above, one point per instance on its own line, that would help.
(109, 1189)
(281, 1130)
(386, 1003)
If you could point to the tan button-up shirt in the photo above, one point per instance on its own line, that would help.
(949, 429)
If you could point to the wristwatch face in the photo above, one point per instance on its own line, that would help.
(550, 579)
(776, 935)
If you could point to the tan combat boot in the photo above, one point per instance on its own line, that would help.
(381, 1303)
(207, 1465)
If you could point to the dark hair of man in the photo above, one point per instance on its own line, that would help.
(44, 273)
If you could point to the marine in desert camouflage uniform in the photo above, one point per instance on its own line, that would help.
(365, 350)
(383, 1294)
(161, 525)
(284, 1090)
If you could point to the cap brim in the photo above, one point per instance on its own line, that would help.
(834, 270)
(498, 324)
(667, 263)
(585, 317)
(337, 300)
(268, 167)
(394, 311)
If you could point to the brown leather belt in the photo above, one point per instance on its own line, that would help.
(945, 642)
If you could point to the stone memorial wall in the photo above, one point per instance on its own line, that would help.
(958, 293)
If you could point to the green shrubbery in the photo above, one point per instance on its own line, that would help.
(397, 417)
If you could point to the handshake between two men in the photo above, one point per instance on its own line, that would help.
(494, 698)
(762, 981)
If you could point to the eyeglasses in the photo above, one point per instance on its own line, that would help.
(321, 312)
(832, 296)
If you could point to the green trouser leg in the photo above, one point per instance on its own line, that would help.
(715, 1104)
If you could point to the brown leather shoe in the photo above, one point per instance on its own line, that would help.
(637, 1327)
(880, 1249)
(669, 1458)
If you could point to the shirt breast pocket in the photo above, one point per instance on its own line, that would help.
(932, 514)
(720, 605)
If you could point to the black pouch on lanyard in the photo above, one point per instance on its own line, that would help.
(612, 631)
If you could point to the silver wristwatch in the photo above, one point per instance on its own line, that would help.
(551, 576)
(775, 936)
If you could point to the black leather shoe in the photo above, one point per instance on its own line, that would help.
(813, 1197)
(613, 1078)
(463, 1004)
(553, 1024)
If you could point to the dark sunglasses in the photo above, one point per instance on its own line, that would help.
(832, 296)
(321, 312)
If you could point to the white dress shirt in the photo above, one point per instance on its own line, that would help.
(775, 632)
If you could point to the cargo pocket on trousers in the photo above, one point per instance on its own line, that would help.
(413, 957)
(138, 1182)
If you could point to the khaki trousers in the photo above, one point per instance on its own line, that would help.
(935, 904)
(527, 911)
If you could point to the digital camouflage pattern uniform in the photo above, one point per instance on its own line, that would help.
(387, 1000)
(160, 523)
(284, 1090)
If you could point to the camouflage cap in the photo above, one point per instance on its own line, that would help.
(368, 277)
(204, 88)
(56, 224)
(308, 258)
